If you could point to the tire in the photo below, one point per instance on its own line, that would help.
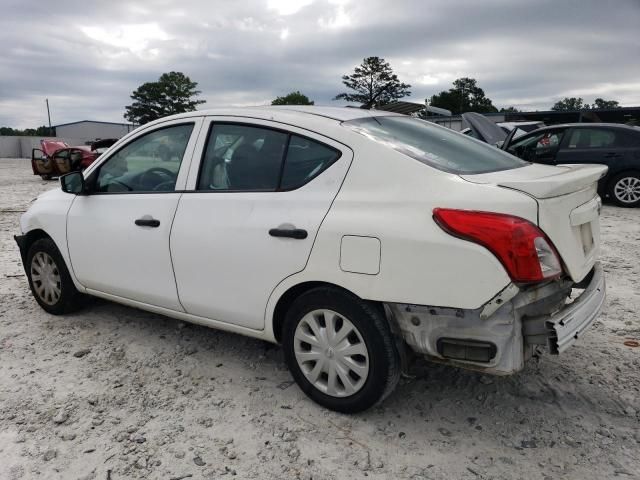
(53, 290)
(352, 372)
(624, 189)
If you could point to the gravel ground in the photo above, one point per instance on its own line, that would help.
(114, 393)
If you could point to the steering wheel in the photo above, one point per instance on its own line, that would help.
(156, 176)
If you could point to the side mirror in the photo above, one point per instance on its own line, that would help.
(73, 183)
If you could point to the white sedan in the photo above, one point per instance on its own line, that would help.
(351, 237)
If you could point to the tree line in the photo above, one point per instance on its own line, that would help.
(42, 131)
(373, 84)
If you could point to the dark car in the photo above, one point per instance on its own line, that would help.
(617, 146)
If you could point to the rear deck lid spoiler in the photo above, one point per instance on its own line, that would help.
(543, 181)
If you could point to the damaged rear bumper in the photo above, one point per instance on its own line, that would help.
(560, 330)
(502, 335)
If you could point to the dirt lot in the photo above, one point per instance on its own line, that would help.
(115, 393)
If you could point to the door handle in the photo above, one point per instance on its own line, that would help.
(297, 233)
(147, 222)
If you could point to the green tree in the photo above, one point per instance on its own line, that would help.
(569, 103)
(293, 98)
(42, 131)
(374, 84)
(174, 92)
(465, 96)
(510, 110)
(602, 103)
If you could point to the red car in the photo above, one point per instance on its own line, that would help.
(55, 158)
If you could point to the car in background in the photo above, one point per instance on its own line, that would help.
(521, 128)
(351, 237)
(614, 145)
(55, 158)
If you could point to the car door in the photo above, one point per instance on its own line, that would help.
(251, 215)
(538, 146)
(118, 233)
(594, 144)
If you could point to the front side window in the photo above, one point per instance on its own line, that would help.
(436, 146)
(536, 146)
(149, 163)
(253, 158)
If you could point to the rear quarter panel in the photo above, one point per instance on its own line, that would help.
(389, 196)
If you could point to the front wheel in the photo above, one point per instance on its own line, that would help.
(624, 189)
(340, 350)
(49, 278)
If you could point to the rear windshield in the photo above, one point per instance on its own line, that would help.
(433, 145)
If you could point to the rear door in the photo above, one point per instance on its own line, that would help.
(614, 147)
(589, 145)
(251, 214)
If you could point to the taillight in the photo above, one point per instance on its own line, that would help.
(524, 250)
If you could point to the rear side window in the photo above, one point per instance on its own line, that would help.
(306, 158)
(435, 146)
(591, 138)
(253, 158)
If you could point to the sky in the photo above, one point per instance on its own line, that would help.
(87, 57)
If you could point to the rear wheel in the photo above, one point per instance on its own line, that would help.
(340, 350)
(49, 278)
(624, 189)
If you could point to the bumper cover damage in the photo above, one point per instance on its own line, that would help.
(501, 336)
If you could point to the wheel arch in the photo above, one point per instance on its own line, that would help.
(35, 234)
(32, 236)
(286, 299)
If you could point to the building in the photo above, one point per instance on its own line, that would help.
(90, 130)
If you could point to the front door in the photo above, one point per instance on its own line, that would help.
(538, 146)
(258, 199)
(118, 234)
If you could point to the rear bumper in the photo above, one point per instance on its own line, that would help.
(563, 328)
(501, 340)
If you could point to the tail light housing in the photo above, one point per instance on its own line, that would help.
(522, 248)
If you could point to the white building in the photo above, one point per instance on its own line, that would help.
(89, 130)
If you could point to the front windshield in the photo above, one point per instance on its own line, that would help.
(435, 146)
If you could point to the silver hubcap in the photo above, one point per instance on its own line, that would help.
(46, 278)
(627, 190)
(331, 353)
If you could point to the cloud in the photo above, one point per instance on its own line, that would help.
(87, 61)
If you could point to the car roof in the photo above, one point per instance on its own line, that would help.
(287, 113)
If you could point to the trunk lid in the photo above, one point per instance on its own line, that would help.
(568, 207)
(484, 129)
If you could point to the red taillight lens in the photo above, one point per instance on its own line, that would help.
(524, 250)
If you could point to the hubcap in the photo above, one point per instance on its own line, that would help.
(627, 190)
(331, 353)
(46, 278)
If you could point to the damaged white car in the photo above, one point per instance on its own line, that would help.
(351, 237)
